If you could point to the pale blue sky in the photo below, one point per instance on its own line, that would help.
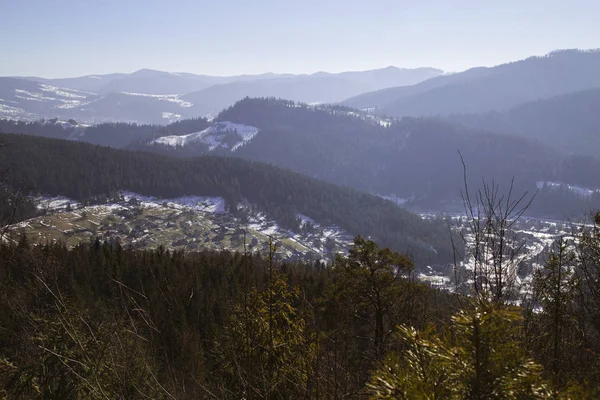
(59, 38)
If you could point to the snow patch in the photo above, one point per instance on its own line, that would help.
(172, 117)
(4, 109)
(213, 136)
(63, 92)
(196, 203)
(26, 95)
(395, 199)
(578, 190)
(173, 98)
(56, 203)
(305, 220)
(65, 98)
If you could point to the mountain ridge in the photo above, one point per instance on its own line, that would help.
(484, 89)
(569, 121)
(410, 158)
(156, 97)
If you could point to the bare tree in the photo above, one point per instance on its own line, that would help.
(492, 249)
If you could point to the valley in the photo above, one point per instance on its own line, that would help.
(194, 223)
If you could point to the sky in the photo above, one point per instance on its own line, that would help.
(63, 38)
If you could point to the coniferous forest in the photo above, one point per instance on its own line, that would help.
(102, 321)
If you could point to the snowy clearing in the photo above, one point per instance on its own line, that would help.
(214, 136)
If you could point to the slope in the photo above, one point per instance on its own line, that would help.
(22, 99)
(82, 171)
(484, 89)
(570, 122)
(413, 159)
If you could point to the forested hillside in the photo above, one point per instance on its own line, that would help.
(570, 122)
(154, 324)
(92, 173)
(414, 155)
(413, 158)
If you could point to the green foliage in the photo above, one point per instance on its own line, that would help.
(103, 318)
(103, 321)
(421, 371)
(480, 358)
(373, 285)
(556, 288)
(74, 357)
(268, 348)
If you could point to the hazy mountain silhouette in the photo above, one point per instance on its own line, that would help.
(480, 90)
(149, 96)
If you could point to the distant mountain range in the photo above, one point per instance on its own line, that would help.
(480, 90)
(144, 81)
(157, 97)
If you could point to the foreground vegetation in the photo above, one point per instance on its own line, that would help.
(102, 321)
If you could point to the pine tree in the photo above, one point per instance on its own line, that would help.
(269, 348)
(372, 285)
(480, 358)
(556, 287)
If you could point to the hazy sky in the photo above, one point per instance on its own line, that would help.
(59, 38)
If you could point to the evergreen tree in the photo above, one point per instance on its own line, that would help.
(556, 287)
(480, 358)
